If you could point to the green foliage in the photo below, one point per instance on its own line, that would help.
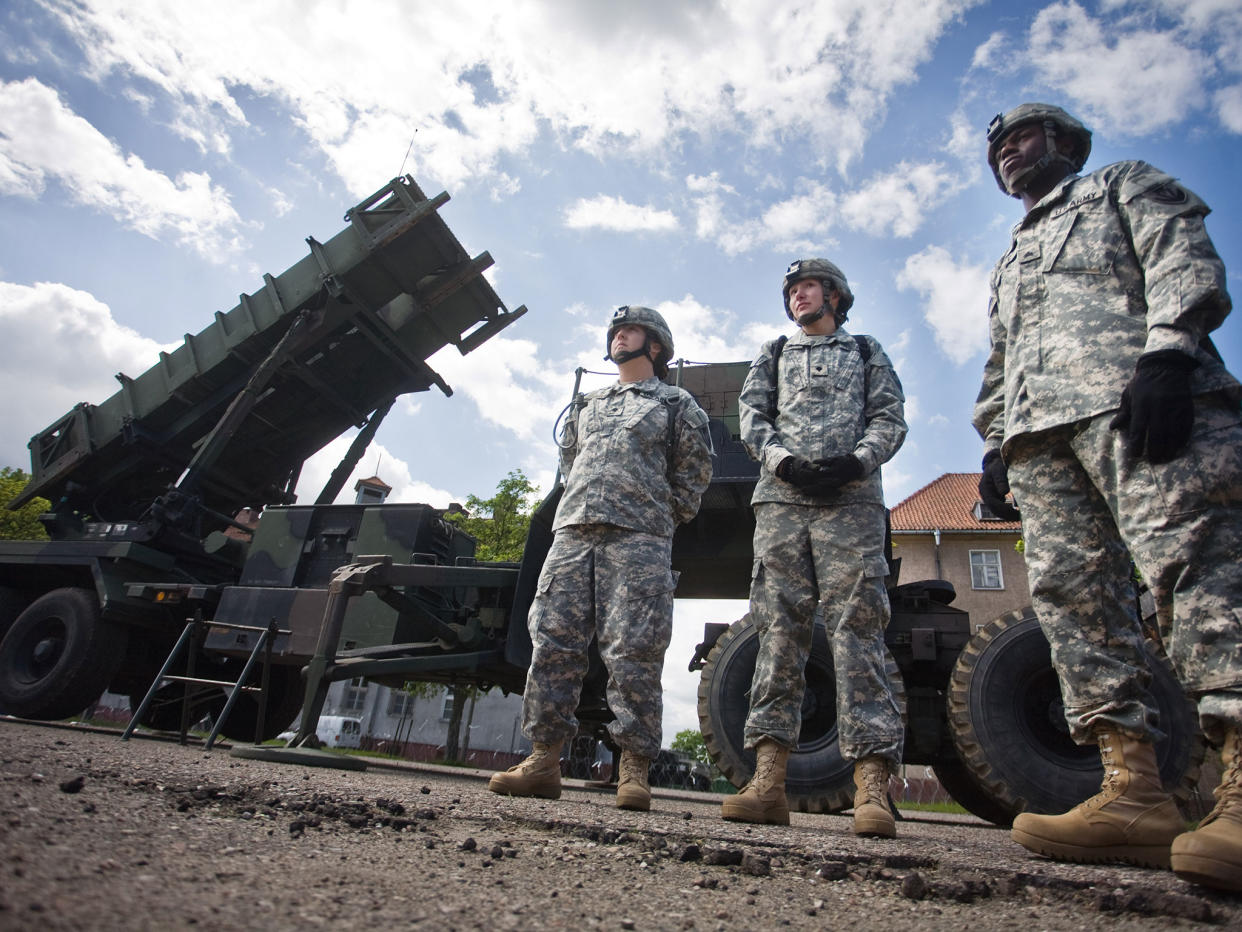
(24, 523)
(500, 523)
(691, 742)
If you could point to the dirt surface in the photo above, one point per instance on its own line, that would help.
(97, 833)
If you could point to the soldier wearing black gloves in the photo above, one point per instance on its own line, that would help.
(820, 411)
(1105, 406)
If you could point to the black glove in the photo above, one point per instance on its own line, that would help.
(835, 471)
(1157, 409)
(798, 472)
(994, 486)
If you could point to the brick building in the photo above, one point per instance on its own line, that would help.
(943, 531)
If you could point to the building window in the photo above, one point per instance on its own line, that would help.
(446, 710)
(354, 698)
(984, 513)
(985, 570)
(399, 702)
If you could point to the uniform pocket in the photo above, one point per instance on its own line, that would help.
(875, 566)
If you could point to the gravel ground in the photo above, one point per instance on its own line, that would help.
(97, 833)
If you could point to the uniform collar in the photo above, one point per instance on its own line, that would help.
(1042, 206)
(836, 336)
(643, 386)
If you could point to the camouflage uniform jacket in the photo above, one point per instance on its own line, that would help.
(823, 406)
(1104, 268)
(616, 462)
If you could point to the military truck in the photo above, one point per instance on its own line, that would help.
(150, 490)
(154, 486)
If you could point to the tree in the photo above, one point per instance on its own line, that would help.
(22, 524)
(500, 523)
(691, 742)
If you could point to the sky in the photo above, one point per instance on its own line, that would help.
(157, 158)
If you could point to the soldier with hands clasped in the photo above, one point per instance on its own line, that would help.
(821, 411)
(1107, 410)
(635, 463)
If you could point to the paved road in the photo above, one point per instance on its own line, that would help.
(96, 833)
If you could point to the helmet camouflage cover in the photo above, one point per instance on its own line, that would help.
(652, 322)
(1056, 122)
(826, 272)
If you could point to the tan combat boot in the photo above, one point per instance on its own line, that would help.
(762, 800)
(1212, 853)
(1132, 819)
(633, 790)
(538, 775)
(872, 816)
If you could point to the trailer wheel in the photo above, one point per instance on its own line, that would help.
(58, 656)
(1007, 720)
(285, 694)
(286, 691)
(818, 778)
(966, 790)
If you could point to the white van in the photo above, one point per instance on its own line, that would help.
(339, 731)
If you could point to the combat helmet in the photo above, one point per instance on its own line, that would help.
(656, 329)
(829, 275)
(1056, 122)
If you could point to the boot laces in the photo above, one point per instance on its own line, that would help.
(537, 757)
(1230, 791)
(633, 768)
(875, 782)
(1110, 788)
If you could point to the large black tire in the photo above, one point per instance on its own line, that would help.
(966, 790)
(286, 690)
(1008, 724)
(818, 778)
(58, 656)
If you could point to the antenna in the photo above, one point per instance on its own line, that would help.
(408, 149)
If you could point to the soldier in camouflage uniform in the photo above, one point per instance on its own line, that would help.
(1108, 411)
(635, 462)
(821, 412)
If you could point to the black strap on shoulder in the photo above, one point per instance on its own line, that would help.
(670, 397)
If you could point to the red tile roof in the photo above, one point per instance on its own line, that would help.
(947, 504)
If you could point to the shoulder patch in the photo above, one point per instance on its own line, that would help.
(1168, 193)
(694, 416)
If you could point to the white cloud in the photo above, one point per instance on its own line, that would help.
(955, 300)
(706, 334)
(680, 687)
(477, 83)
(62, 347)
(42, 139)
(613, 213)
(512, 386)
(379, 460)
(896, 202)
(988, 54)
(1137, 73)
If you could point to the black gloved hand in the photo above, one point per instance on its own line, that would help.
(994, 486)
(835, 471)
(1157, 409)
(798, 472)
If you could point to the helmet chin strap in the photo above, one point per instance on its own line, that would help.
(810, 318)
(625, 356)
(1051, 156)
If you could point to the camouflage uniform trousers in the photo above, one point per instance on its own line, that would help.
(1087, 508)
(617, 585)
(805, 555)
